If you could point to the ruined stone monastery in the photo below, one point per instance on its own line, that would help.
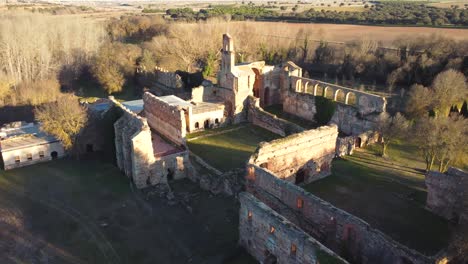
(279, 221)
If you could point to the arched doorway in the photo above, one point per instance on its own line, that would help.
(54, 154)
(300, 176)
(257, 83)
(357, 142)
(206, 125)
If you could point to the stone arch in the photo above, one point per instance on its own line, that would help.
(351, 98)
(315, 89)
(306, 87)
(339, 96)
(319, 90)
(328, 92)
(298, 85)
(257, 83)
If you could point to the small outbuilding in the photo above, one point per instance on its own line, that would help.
(23, 144)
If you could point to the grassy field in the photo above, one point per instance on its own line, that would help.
(231, 148)
(69, 211)
(387, 193)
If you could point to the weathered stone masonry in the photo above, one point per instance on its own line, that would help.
(301, 157)
(446, 191)
(261, 118)
(335, 228)
(168, 120)
(136, 155)
(268, 235)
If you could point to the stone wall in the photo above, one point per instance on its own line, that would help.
(299, 104)
(134, 150)
(288, 243)
(135, 154)
(301, 157)
(351, 122)
(366, 103)
(340, 231)
(166, 119)
(168, 79)
(345, 146)
(261, 118)
(446, 191)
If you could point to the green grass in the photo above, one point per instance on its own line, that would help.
(278, 111)
(232, 149)
(389, 194)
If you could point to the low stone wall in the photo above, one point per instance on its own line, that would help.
(261, 118)
(299, 104)
(340, 231)
(446, 191)
(166, 119)
(286, 243)
(215, 181)
(301, 157)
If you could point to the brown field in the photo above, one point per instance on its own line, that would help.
(346, 33)
(449, 4)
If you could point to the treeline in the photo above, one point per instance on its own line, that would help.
(383, 13)
(42, 54)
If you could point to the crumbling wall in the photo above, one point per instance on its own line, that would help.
(301, 157)
(345, 146)
(340, 231)
(299, 104)
(446, 192)
(168, 79)
(286, 242)
(134, 150)
(166, 119)
(261, 118)
(351, 122)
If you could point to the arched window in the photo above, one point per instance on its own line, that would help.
(197, 125)
(216, 121)
(351, 99)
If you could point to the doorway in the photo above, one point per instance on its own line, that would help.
(54, 154)
(357, 142)
(300, 176)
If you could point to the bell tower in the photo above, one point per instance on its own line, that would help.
(228, 54)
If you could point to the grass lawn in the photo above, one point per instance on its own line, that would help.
(231, 149)
(278, 111)
(387, 193)
(69, 211)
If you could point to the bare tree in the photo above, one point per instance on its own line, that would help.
(391, 128)
(425, 136)
(419, 101)
(63, 119)
(449, 88)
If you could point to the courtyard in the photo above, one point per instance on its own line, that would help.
(229, 147)
(389, 194)
(69, 211)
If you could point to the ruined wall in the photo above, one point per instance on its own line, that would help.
(351, 122)
(366, 103)
(446, 191)
(299, 104)
(301, 157)
(345, 146)
(134, 150)
(340, 231)
(261, 118)
(168, 79)
(288, 243)
(167, 120)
